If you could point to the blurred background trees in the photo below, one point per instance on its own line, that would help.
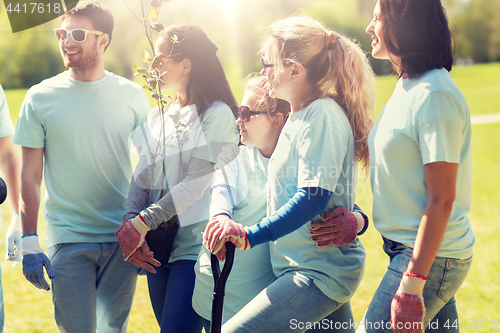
(32, 55)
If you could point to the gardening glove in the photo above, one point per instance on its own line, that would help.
(338, 227)
(143, 258)
(33, 261)
(131, 235)
(13, 236)
(407, 307)
(222, 229)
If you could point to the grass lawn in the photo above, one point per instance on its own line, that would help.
(28, 309)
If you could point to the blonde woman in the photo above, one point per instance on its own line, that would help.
(329, 84)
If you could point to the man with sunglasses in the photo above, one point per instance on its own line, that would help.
(75, 128)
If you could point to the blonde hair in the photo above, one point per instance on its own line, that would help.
(335, 64)
(259, 86)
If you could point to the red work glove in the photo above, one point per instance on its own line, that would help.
(407, 307)
(221, 229)
(339, 226)
(131, 235)
(143, 258)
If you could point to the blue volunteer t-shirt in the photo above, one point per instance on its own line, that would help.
(244, 172)
(426, 120)
(316, 149)
(84, 128)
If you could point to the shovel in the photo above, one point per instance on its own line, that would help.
(220, 279)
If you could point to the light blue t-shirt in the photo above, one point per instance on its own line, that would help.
(84, 128)
(252, 272)
(426, 120)
(316, 149)
(6, 126)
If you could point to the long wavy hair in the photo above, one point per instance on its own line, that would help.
(207, 81)
(335, 64)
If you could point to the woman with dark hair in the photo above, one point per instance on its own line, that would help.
(420, 169)
(179, 150)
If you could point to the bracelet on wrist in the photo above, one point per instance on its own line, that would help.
(415, 275)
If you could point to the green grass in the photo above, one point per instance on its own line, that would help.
(479, 83)
(28, 309)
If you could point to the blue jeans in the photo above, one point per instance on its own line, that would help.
(93, 288)
(444, 279)
(290, 304)
(342, 317)
(171, 292)
(339, 321)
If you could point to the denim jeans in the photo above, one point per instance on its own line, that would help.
(290, 304)
(171, 292)
(444, 279)
(339, 321)
(93, 287)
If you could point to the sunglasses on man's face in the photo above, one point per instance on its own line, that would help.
(244, 113)
(78, 35)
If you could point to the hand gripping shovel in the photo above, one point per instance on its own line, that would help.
(220, 279)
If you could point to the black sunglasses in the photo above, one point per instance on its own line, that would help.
(78, 35)
(244, 113)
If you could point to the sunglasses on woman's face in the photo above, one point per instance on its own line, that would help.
(244, 113)
(78, 35)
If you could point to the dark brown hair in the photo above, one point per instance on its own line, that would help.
(207, 80)
(417, 32)
(100, 16)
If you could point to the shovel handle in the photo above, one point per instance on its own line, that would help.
(220, 279)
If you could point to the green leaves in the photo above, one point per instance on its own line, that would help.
(176, 117)
(157, 26)
(141, 71)
(154, 12)
(156, 3)
(157, 61)
(147, 57)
